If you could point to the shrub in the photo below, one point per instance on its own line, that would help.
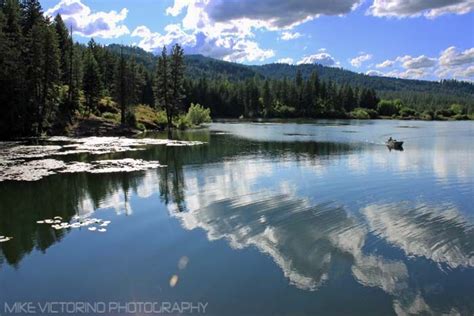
(182, 122)
(444, 112)
(388, 107)
(197, 115)
(141, 127)
(281, 110)
(110, 116)
(106, 104)
(130, 119)
(456, 108)
(461, 117)
(407, 112)
(360, 114)
(427, 115)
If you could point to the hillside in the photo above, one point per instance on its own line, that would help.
(410, 91)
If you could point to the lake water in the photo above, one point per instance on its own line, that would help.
(258, 219)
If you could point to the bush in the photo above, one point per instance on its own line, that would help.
(407, 112)
(141, 127)
(106, 104)
(427, 115)
(388, 107)
(197, 115)
(281, 110)
(444, 113)
(110, 116)
(130, 119)
(360, 114)
(456, 108)
(460, 117)
(182, 122)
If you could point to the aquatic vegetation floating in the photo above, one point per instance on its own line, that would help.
(91, 145)
(38, 169)
(77, 222)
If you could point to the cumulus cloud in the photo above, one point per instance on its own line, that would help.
(151, 41)
(322, 58)
(374, 73)
(90, 24)
(409, 62)
(199, 34)
(456, 64)
(413, 8)
(285, 60)
(286, 36)
(277, 13)
(387, 63)
(359, 60)
(452, 57)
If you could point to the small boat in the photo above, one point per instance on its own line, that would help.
(394, 144)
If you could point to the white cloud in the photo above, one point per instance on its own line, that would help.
(451, 57)
(90, 24)
(408, 74)
(387, 63)
(374, 73)
(413, 8)
(322, 58)
(178, 7)
(456, 64)
(286, 36)
(409, 62)
(285, 61)
(357, 61)
(152, 41)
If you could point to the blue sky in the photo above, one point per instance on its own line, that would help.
(417, 39)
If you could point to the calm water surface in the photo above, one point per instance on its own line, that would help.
(263, 219)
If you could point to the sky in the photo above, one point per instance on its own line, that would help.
(416, 39)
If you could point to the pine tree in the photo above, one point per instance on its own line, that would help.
(177, 79)
(91, 83)
(64, 47)
(163, 91)
(31, 14)
(267, 99)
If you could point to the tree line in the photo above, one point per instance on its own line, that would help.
(257, 97)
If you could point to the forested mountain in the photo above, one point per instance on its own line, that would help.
(414, 92)
(419, 94)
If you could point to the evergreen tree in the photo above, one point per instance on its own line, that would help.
(64, 47)
(163, 90)
(92, 85)
(267, 99)
(177, 79)
(31, 14)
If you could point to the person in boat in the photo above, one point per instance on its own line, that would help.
(390, 139)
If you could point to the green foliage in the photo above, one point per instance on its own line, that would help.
(130, 119)
(360, 114)
(363, 114)
(182, 123)
(389, 107)
(456, 109)
(407, 112)
(197, 115)
(111, 116)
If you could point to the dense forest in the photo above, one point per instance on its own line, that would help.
(48, 82)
